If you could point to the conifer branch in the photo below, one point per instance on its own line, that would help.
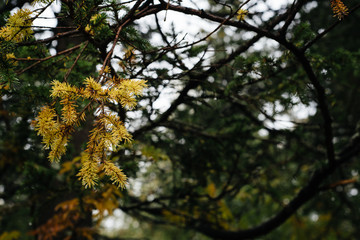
(49, 57)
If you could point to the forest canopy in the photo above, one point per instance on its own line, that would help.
(170, 119)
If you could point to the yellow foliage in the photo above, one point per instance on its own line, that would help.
(211, 190)
(94, 90)
(129, 58)
(106, 69)
(63, 90)
(10, 235)
(58, 147)
(88, 173)
(115, 128)
(5, 86)
(105, 203)
(66, 167)
(107, 134)
(47, 126)
(94, 18)
(69, 113)
(129, 53)
(18, 26)
(68, 205)
(116, 175)
(175, 218)
(241, 14)
(10, 56)
(96, 23)
(69, 213)
(339, 9)
(124, 91)
(89, 30)
(225, 213)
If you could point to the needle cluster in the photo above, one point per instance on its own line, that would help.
(241, 14)
(18, 26)
(108, 132)
(339, 9)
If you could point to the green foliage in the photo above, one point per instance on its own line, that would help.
(10, 235)
(303, 34)
(132, 37)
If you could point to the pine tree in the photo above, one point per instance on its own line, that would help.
(229, 156)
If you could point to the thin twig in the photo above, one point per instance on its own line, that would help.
(322, 34)
(76, 60)
(46, 40)
(49, 57)
(108, 56)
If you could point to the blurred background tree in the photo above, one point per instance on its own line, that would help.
(248, 127)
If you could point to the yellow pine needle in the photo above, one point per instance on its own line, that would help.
(18, 26)
(58, 147)
(93, 90)
(125, 91)
(108, 132)
(116, 129)
(241, 14)
(10, 56)
(63, 90)
(116, 175)
(69, 113)
(47, 126)
(339, 9)
(88, 173)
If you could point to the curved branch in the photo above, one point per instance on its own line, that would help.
(196, 79)
(46, 40)
(321, 97)
(70, 50)
(306, 193)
